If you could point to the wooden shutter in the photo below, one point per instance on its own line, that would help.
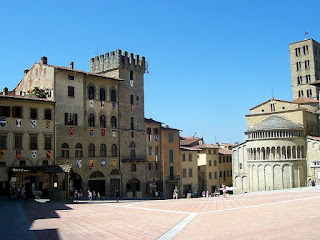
(76, 119)
(66, 119)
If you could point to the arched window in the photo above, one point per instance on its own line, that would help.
(133, 154)
(113, 122)
(114, 151)
(132, 123)
(78, 152)
(91, 92)
(103, 150)
(113, 96)
(102, 121)
(65, 150)
(132, 145)
(91, 150)
(133, 167)
(102, 94)
(91, 120)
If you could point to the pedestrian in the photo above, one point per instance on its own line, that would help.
(94, 195)
(207, 193)
(80, 194)
(89, 195)
(116, 194)
(224, 191)
(203, 193)
(98, 195)
(75, 197)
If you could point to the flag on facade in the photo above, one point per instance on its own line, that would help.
(131, 108)
(113, 106)
(102, 104)
(91, 103)
(71, 130)
(2, 154)
(33, 154)
(114, 133)
(156, 137)
(103, 132)
(150, 157)
(18, 154)
(18, 122)
(79, 164)
(2, 121)
(306, 33)
(48, 154)
(91, 163)
(103, 162)
(33, 123)
(114, 162)
(48, 124)
(91, 131)
(131, 83)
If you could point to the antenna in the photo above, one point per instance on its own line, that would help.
(272, 94)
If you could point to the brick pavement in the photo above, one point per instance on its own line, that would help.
(287, 214)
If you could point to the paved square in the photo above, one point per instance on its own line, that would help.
(291, 214)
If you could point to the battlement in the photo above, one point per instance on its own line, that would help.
(117, 59)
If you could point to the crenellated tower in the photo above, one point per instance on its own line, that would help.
(132, 139)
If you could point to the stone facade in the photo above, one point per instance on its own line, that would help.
(305, 68)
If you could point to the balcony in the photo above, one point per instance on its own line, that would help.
(175, 178)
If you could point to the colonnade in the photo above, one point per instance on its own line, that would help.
(274, 134)
(276, 153)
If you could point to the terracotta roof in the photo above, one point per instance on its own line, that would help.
(150, 120)
(206, 146)
(83, 72)
(27, 98)
(316, 83)
(189, 148)
(188, 141)
(304, 100)
(225, 151)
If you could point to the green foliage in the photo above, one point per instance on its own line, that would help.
(37, 93)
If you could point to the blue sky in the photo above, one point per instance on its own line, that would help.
(209, 61)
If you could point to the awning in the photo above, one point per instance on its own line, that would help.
(45, 169)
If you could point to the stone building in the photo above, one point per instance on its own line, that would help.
(305, 68)
(274, 153)
(27, 149)
(99, 121)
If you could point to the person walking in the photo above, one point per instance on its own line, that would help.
(94, 195)
(98, 195)
(116, 194)
(224, 191)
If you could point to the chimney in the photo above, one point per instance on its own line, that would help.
(236, 143)
(43, 60)
(25, 72)
(5, 91)
(71, 65)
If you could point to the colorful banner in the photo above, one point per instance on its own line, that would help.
(71, 130)
(18, 122)
(2, 154)
(91, 163)
(48, 154)
(113, 106)
(102, 104)
(79, 164)
(131, 83)
(33, 154)
(33, 123)
(103, 132)
(48, 124)
(156, 137)
(91, 132)
(91, 103)
(150, 157)
(18, 154)
(131, 108)
(103, 162)
(3, 121)
(114, 133)
(114, 162)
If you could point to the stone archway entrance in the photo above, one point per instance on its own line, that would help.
(114, 182)
(132, 187)
(97, 183)
(75, 181)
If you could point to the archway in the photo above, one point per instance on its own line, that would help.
(133, 185)
(75, 181)
(97, 183)
(114, 182)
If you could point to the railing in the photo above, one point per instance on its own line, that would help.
(173, 178)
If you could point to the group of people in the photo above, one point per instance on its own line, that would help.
(19, 193)
(93, 195)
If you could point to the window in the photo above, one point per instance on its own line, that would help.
(309, 93)
(149, 131)
(155, 131)
(215, 162)
(219, 159)
(131, 75)
(4, 111)
(305, 50)
(149, 150)
(298, 66)
(70, 91)
(65, 150)
(131, 100)
(210, 175)
(22, 163)
(240, 166)
(133, 154)
(47, 114)
(113, 96)
(171, 160)
(210, 163)
(34, 113)
(70, 77)
(18, 141)
(103, 150)
(91, 120)
(308, 78)
(273, 109)
(299, 80)
(33, 142)
(114, 151)
(102, 121)
(190, 172)
(227, 173)
(78, 152)
(183, 157)
(2, 164)
(220, 174)
(3, 142)
(17, 112)
(71, 119)
(102, 94)
(300, 93)
(133, 167)
(170, 137)
(157, 152)
(113, 122)
(132, 123)
(215, 175)
(297, 52)
(209, 151)
(149, 166)
(184, 172)
(47, 142)
(190, 158)
(156, 166)
(45, 162)
(306, 64)
(91, 92)
(224, 159)
(224, 175)
(91, 150)
(171, 172)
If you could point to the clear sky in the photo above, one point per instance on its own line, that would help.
(209, 61)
